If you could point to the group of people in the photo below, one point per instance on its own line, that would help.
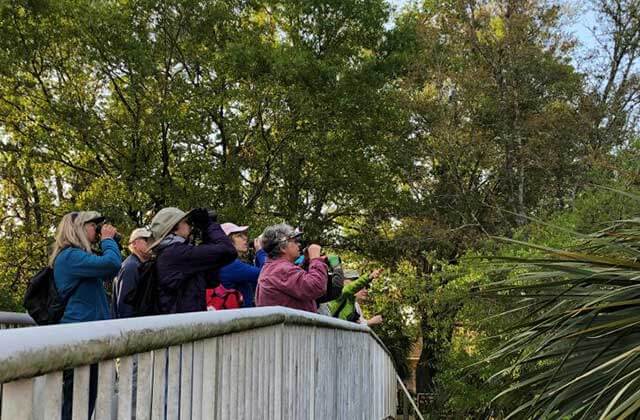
(186, 270)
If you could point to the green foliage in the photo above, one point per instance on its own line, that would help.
(399, 330)
(574, 347)
(266, 111)
(466, 383)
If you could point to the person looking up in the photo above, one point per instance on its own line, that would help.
(283, 283)
(239, 275)
(79, 273)
(127, 279)
(355, 288)
(184, 270)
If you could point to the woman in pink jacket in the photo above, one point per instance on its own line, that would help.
(281, 282)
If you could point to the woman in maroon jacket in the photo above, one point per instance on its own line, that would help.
(183, 268)
(281, 282)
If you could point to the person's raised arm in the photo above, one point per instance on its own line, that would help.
(374, 320)
(216, 251)
(238, 273)
(362, 282)
(84, 264)
(310, 284)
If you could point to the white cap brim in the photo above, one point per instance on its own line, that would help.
(229, 228)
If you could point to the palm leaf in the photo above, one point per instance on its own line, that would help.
(576, 352)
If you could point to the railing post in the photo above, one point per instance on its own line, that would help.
(17, 400)
(405, 407)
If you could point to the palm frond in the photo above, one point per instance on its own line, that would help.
(577, 350)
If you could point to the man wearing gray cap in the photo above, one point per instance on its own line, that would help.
(128, 276)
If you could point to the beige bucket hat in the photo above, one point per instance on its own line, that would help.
(164, 222)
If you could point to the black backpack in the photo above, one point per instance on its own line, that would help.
(144, 297)
(42, 300)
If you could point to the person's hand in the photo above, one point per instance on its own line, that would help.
(375, 320)
(200, 218)
(375, 273)
(108, 231)
(314, 251)
(257, 244)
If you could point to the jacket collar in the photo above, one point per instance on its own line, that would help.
(171, 239)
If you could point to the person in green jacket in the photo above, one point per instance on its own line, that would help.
(346, 306)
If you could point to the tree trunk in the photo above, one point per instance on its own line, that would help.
(427, 366)
(427, 363)
(521, 210)
(35, 195)
(59, 188)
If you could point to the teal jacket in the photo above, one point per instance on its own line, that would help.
(76, 268)
(344, 306)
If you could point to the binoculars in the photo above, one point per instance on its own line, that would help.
(197, 215)
(117, 237)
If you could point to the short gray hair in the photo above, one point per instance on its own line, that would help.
(274, 239)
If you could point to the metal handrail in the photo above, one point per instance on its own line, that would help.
(13, 318)
(408, 396)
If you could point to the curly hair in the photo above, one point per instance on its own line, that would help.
(274, 239)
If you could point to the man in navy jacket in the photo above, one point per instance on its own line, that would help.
(128, 275)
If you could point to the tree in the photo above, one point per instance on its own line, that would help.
(495, 105)
(267, 111)
(612, 106)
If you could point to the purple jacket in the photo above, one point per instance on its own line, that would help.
(282, 283)
(185, 269)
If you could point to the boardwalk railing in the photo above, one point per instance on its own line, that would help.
(261, 363)
(15, 320)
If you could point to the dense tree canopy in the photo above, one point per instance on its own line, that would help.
(265, 111)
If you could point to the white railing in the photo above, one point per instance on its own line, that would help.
(261, 363)
(15, 320)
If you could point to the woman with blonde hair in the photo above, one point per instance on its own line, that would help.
(78, 272)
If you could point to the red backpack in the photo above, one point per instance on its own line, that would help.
(223, 298)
